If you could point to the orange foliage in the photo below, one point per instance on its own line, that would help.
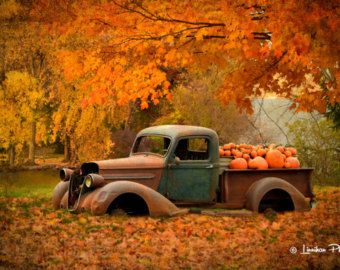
(33, 234)
(135, 48)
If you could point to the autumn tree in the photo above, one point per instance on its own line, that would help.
(276, 46)
(84, 131)
(24, 64)
(195, 103)
(21, 101)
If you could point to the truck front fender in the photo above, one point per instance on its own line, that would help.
(260, 188)
(157, 204)
(58, 193)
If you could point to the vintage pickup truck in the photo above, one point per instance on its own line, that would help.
(178, 165)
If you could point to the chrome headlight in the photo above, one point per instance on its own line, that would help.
(88, 181)
(65, 174)
(94, 180)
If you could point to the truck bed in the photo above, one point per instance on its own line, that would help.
(234, 184)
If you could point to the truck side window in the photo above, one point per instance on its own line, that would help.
(193, 149)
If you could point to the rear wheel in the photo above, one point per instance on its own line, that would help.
(130, 203)
(278, 200)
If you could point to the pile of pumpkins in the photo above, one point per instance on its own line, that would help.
(260, 157)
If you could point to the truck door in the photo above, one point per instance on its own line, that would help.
(190, 171)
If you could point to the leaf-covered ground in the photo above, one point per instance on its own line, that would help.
(35, 236)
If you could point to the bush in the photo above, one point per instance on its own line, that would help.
(318, 146)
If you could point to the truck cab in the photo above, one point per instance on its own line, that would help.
(191, 161)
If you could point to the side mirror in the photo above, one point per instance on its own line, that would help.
(177, 160)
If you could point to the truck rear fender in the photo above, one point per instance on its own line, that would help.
(260, 188)
(156, 203)
(58, 193)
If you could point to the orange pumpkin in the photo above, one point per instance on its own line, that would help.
(292, 150)
(227, 153)
(261, 152)
(287, 164)
(258, 163)
(247, 151)
(253, 153)
(281, 149)
(251, 164)
(275, 159)
(221, 152)
(226, 147)
(294, 162)
(238, 154)
(238, 163)
(232, 145)
(246, 156)
(288, 153)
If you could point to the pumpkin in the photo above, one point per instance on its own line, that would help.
(226, 147)
(288, 153)
(292, 150)
(238, 163)
(221, 152)
(253, 153)
(275, 159)
(246, 151)
(246, 156)
(294, 162)
(281, 149)
(227, 153)
(287, 164)
(232, 145)
(261, 152)
(258, 163)
(251, 165)
(238, 154)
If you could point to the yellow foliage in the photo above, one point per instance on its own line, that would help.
(21, 102)
(9, 8)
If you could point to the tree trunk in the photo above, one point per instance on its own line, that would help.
(129, 116)
(66, 148)
(31, 152)
(11, 155)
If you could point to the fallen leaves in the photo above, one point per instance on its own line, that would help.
(34, 235)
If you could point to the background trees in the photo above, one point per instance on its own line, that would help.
(22, 100)
(318, 146)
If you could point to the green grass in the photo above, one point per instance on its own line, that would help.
(38, 183)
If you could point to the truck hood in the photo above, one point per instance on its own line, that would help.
(140, 161)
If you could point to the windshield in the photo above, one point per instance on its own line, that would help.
(151, 144)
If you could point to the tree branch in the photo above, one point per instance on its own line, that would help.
(154, 17)
(272, 65)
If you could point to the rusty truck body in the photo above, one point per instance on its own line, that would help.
(178, 165)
